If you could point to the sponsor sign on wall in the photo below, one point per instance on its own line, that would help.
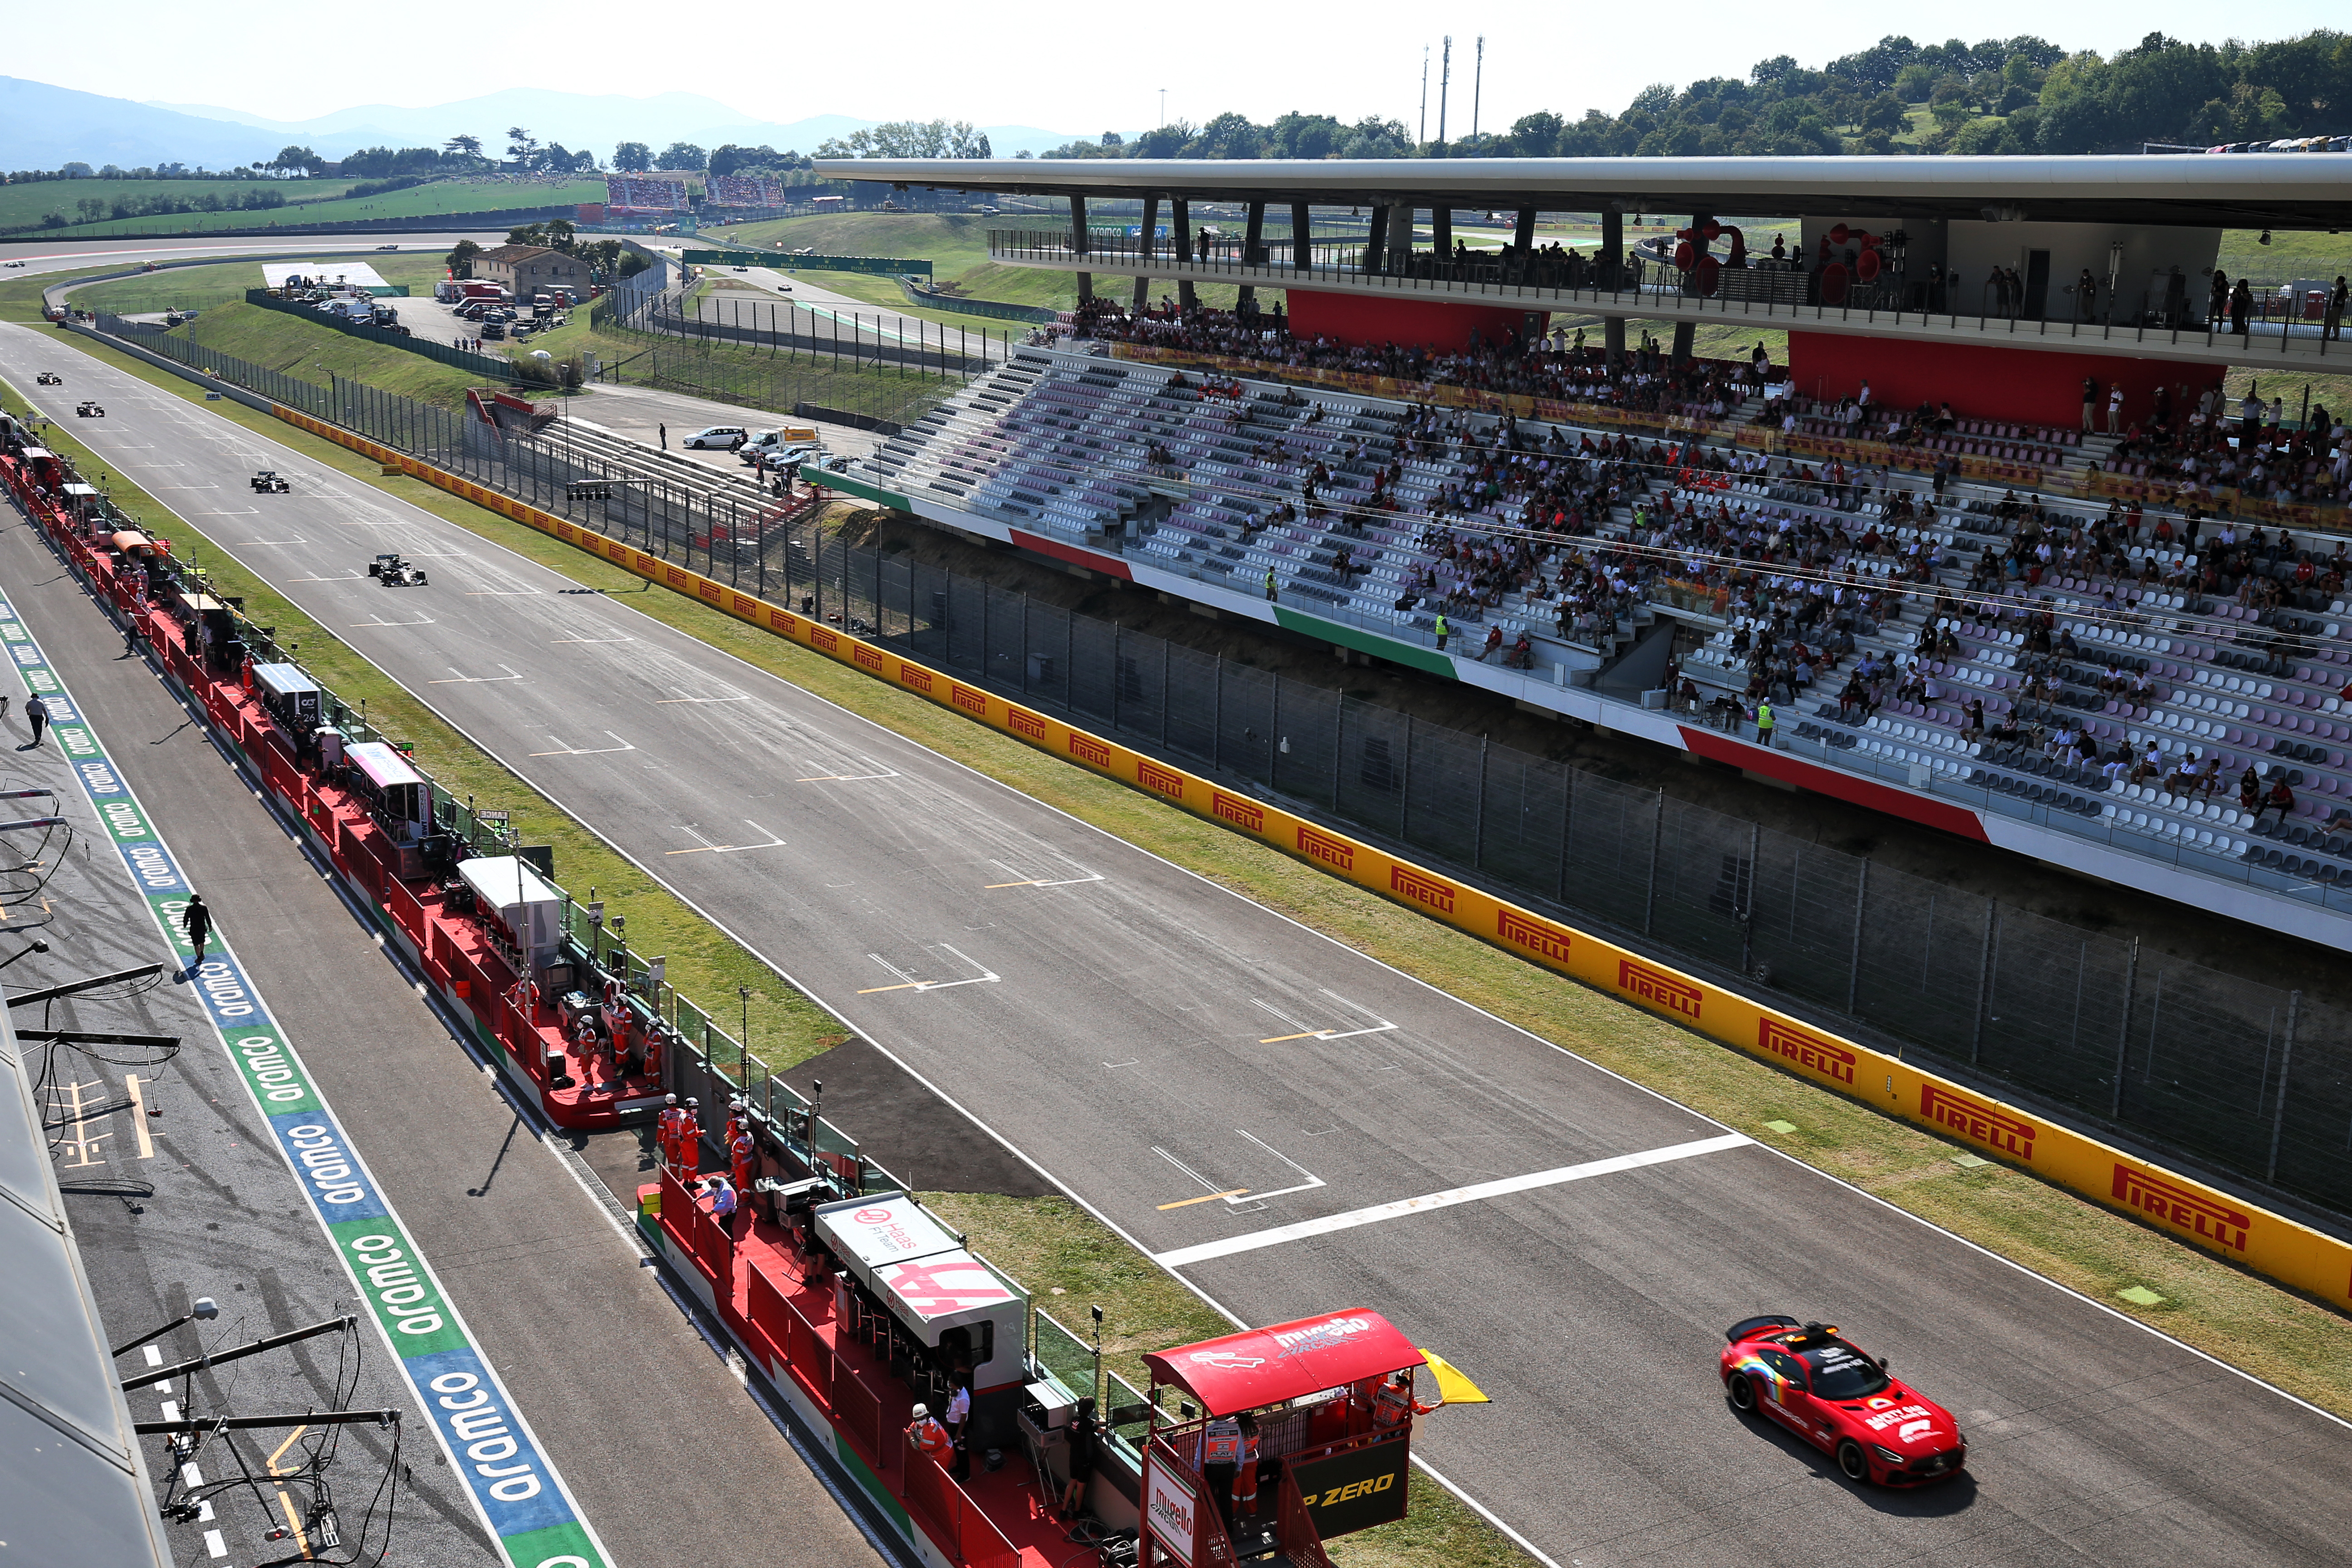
(1355, 1490)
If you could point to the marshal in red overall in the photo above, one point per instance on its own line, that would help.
(1807, 1378)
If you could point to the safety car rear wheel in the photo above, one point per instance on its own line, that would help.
(1741, 1390)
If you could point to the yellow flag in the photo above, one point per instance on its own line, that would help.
(1457, 1389)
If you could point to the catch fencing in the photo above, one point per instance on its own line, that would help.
(2241, 1075)
(863, 340)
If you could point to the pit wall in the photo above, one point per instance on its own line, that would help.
(2271, 1244)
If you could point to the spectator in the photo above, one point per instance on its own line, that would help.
(2281, 800)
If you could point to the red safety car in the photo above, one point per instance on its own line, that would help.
(1840, 1400)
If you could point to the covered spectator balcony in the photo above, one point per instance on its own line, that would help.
(1902, 250)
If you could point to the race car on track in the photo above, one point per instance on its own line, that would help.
(394, 572)
(90, 409)
(269, 481)
(1807, 1378)
(49, 378)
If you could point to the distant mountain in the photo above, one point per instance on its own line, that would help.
(595, 121)
(42, 127)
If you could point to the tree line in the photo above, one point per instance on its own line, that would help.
(2017, 95)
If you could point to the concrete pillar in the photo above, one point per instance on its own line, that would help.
(1441, 228)
(1079, 245)
(1524, 236)
(1685, 336)
(1147, 246)
(1302, 228)
(1400, 219)
(1612, 263)
(1252, 244)
(1376, 241)
(1612, 338)
(1179, 220)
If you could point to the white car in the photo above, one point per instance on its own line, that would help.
(725, 437)
(16, 264)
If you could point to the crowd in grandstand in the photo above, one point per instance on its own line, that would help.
(1556, 367)
(2188, 442)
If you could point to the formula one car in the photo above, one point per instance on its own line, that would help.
(90, 409)
(1841, 1401)
(49, 378)
(394, 572)
(269, 481)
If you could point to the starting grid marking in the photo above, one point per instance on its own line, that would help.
(515, 1490)
(1431, 1202)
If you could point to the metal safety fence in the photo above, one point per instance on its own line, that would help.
(2241, 1074)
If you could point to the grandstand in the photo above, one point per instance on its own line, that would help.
(743, 191)
(644, 194)
(1987, 624)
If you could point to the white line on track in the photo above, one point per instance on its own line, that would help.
(1431, 1202)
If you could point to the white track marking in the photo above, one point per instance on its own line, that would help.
(1431, 1202)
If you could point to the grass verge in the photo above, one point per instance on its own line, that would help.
(315, 353)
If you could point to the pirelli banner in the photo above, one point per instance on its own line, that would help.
(2268, 1244)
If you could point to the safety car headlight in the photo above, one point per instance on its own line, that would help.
(1889, 1455)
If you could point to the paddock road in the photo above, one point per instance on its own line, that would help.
(1148, 1038)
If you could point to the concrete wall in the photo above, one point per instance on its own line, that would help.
(1976, 248)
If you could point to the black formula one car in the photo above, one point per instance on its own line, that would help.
(394, 572)
(269, 481)
(90, 408)
(49, 378)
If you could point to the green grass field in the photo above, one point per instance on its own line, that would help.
(475, 193)
(313, 352)
(227, 281)
(21, 206)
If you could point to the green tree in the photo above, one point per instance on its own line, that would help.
(684, 156)
(633, 157)
(910, 139)
(461, 259)
(464, 146)
(1886, 113)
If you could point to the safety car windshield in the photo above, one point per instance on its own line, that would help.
(1840, 1372)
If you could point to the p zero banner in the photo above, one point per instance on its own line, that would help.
(1357, 1489)
(2271, 1244)
(491, 1448)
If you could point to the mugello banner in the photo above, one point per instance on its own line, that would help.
(2269, 1243)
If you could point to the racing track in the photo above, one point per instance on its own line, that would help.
(1124, 1023)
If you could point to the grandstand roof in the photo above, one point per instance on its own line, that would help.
(2284, 190)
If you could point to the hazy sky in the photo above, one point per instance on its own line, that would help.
(1023, 63)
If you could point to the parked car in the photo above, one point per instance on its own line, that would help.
(723, 436)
